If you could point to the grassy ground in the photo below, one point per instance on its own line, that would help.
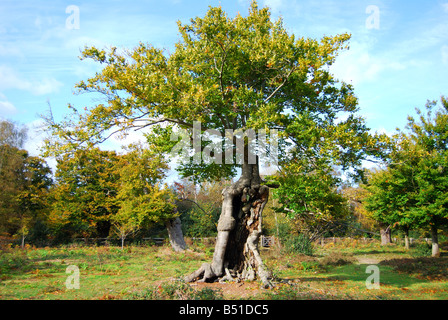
(333, 272)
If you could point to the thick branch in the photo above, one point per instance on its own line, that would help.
(194, 203)
(280, 86)
(153, 122)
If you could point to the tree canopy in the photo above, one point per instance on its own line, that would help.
(228, 74)
(412, 190)
(26, 181)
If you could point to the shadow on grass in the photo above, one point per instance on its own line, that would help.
(356, 275)
(422, 268)
(366, 252)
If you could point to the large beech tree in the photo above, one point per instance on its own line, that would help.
(245, 72)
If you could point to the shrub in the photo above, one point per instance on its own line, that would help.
(177, 290)
(14, 260)
(337, 259)
(309, 265)
(422, 249)
(299, 244)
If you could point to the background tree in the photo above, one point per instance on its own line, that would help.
(311, 200)
(228, 74)
(97, 189)
(25, 184)
(362, 219)
(200, 207)
(142, 200)
(12, 134)
(390, 199)
(85, 193)
(429, 134)
(412, 191)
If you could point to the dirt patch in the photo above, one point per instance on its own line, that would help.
(180, 290)
(364, 260)
(233, 290)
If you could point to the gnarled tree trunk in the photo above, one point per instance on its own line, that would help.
(236, 255)
(386, 235)
(174, 227)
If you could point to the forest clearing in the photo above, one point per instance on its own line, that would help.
(233, 152)
(333, 272)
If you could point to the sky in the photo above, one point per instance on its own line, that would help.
(398, 56)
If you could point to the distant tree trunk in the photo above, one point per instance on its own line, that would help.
(239, 230)
(435, 241)
(174, 227)
(122, 242)
(406, 239)
(386, 237)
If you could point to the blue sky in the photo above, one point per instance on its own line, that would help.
(398, 57)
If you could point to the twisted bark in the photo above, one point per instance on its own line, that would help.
(236, 255)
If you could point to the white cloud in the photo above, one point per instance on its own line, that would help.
(7, 107)
(358, 65)
(35, 137)
(9, 79)
(35, 142)
(45, 86)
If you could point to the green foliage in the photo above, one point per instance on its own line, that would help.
(200, 216)
(421, 249)
(39, 233)
(413, 189)
(390, 197)
(85, 193)
(140, 199)
(299, 244)
(99, 189)
(196, 223)
(311, 200)
(25, 190)
(227, 73)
